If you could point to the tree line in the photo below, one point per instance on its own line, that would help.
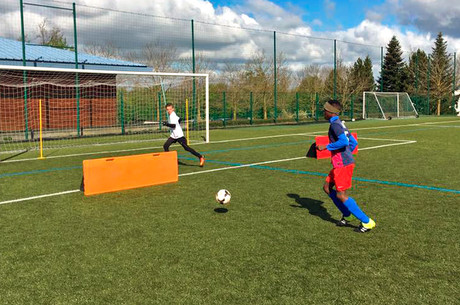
(429, 76)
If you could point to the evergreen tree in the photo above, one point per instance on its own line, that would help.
(362, 76)
(417, 87)
(418, 73)
(441, 75)
(394, 74)
(368, 75)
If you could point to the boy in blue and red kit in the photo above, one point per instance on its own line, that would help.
(341, 144)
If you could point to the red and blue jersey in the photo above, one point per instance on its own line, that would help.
(341, 143)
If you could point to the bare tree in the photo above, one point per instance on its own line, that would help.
(202, 65)
(107, 50)
(160, 57)
(51, 37)
(313, 77)
(257, 77)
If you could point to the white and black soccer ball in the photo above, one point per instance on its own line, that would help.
(223, 196)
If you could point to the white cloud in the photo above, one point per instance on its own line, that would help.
(231, 43)
(329, 8)
(431, 16)
(374, 16)
(317, 22)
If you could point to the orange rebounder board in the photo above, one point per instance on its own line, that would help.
(324, 140)
(121, 173)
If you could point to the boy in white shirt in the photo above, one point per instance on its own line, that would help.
(177, 135)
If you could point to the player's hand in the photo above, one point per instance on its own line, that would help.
(321, 147)
(164, 123)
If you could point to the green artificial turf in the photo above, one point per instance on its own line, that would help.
(275, 243)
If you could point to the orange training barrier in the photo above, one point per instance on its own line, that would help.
(324, 140)
(121, 173)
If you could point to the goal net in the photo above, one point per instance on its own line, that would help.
(71, 108)
(387, 105)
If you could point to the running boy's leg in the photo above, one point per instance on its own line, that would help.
(183, 141)
(328, 189)
(342, 179)
(168, 143)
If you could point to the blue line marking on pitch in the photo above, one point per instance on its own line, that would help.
(295, 171)
(39, 171)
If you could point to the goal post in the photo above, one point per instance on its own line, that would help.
(388, 105)
(77, 107)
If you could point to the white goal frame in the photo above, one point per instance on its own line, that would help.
(397, 94)
(202, 76)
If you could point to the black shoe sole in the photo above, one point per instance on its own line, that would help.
(359, 230)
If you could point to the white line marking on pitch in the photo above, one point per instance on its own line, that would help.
(154, 147)
(201, 172)
(394, 126)
(40, 196)
(313, 133)
(386, 145)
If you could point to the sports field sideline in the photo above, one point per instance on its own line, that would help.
(275, 243)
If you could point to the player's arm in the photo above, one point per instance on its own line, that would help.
(353, 142)
(169, 125)
(339, 134)
(174, 120)
(341, 142)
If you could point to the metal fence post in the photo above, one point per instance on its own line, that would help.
(24, 73)
(453, 84)
(381, 69)
(275, 92)
(122, 113)
(428, 85)
(297, 107)
(224, 101)
(159, 110)
(250, 108)
(77, 80)
(317, 106)
(335, 69)
(352, 107)
(194, 106)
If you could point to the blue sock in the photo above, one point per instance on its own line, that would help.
(355, 210)
(339, 204)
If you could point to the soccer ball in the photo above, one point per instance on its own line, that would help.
(223, 196)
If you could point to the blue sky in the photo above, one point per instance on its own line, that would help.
(334, 15)
(417, 16)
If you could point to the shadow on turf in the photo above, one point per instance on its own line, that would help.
(313, 206)
(14, 155)
(221, 210)
(185, 164)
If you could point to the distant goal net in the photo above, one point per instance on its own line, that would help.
(73, 108)
(388, 105)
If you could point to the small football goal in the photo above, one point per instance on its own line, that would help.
(388, 105)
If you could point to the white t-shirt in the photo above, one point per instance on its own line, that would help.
(176, 132)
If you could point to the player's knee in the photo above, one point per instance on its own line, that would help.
(342, 196)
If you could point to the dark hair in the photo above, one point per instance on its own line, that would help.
(169, 105)
(336, 104)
